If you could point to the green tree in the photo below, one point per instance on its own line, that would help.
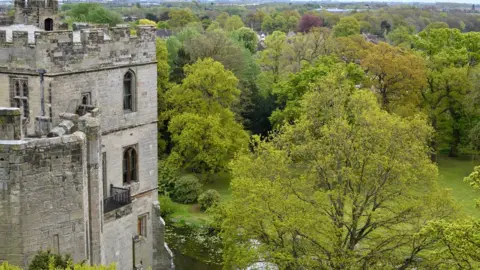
(203, 129)
(271, 60)
(448, 97)
(222, 19)
(233, 23)
(93, 13)
(247, 37)
(162, 86)
(398, 76)
(180, 17)
(347, 26)
(346, 187)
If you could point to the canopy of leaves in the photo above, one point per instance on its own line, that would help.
(308, 21)
(93, 13)
(347, 26)
(346, 187)
(203, 129)
(180, 17)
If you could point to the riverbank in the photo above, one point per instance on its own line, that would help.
(189, 234)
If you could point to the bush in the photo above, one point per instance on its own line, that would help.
(186, 189)
(6, 266)
(41, 261)
(167, 207)
(208, 199)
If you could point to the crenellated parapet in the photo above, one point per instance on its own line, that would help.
(72, 51)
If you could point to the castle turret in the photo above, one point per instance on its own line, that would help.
(41, 13)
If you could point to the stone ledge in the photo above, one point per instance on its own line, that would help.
(118, 213)
(9, 111)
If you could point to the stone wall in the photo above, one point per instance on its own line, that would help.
(60, 51)
(34, 12)
(119, 230)
(106, 90)
(43, 187)
(10, 124)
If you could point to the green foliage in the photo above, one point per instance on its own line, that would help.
(167, 175)
(180, 17)
(234, 23)
(208, 199)
(281, 21)
(203, 129)
(46, 259)
(163, 25)
(208, 88)
(474, 180)
(347, 26)
(187, 189)
(167, 206)
(247, 37)
(162, 85)
(456, 243)
(6, 266)
(346, 175)
(93, 13)
(147, 22)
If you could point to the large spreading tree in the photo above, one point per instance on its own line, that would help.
(346, 187)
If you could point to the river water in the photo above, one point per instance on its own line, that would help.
(194, 249)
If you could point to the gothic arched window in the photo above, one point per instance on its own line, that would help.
(130, 158)
(129, 91)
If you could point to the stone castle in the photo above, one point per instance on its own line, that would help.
(78, 142)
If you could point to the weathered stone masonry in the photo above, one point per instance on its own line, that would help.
(78, 146)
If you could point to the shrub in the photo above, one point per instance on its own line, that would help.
(208, 199)
(6, 266)
(186, 189)
(167, 207)
(42, 260)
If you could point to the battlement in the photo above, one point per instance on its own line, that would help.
(58, 51)
(90, 36)
(33, 4)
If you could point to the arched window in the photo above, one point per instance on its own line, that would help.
(129, 91)
(49, 24)
(130, 165)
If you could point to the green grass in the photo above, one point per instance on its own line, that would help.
(191, 214)
(452, 171)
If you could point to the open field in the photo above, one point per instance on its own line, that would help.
(452, 171)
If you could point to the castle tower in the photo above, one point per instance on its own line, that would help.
(41, 13)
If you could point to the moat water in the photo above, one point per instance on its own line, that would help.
(194, 249)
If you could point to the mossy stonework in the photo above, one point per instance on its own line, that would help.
(62, 180)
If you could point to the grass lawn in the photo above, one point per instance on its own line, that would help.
(191, 213)
(452, 171)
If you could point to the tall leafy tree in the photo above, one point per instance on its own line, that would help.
(233, 23)
(203, 129)
(397, 75)
(346, 187)
(347, 26)
(180, 17)
(451, 61)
